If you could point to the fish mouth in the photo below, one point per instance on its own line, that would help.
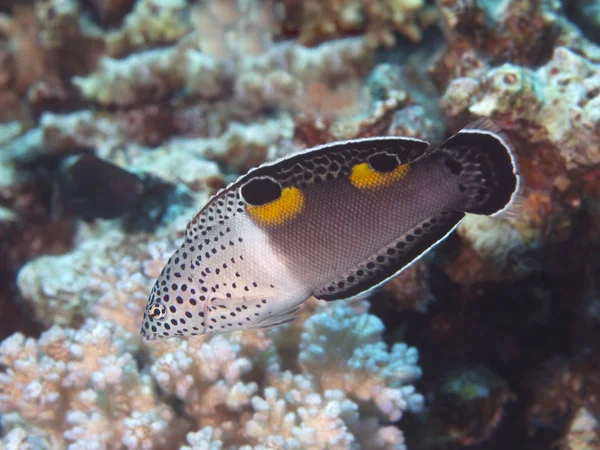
(148, 336)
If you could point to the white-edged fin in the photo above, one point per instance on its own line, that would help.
(482, 155)
(392, 259)
(280, 319)
(516, 207)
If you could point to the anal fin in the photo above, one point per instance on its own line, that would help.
(280, 319)
(391, 259)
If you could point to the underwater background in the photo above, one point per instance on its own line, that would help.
(120, 118)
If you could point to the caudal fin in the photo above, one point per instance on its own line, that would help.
(482, 156)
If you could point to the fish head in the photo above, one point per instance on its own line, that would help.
(188, 299)
(176, 306)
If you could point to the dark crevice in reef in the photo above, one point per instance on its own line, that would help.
(527, 333)
(32, 235)
(582, 16)
(7, 6)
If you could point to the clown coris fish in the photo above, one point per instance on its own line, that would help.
(334, 222)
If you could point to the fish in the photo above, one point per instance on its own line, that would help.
(334, 222)
(91, 188)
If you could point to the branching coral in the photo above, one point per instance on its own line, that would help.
(79, 381)
(291, 414)
(222, 380)
(99, 278)
(76, 385)
(211, 376)
(276, 78)
(80, 387)
(344, 350)
(206, 376)
(151, 22)
(319, 421)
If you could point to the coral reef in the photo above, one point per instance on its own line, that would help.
(187, 95)
(280, 77)
(81, 386)
(520, 31)
(583, 432)
(470, 401)
(75, 385)
(150, 23)
(540, 87)
(558, 102)
(316, 21)
(570, 385)
(247, 379)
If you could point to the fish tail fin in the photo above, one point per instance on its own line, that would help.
(483, 158)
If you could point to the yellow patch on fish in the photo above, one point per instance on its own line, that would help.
(365, 177)
(280, 211)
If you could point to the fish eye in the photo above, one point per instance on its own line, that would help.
(158, 311)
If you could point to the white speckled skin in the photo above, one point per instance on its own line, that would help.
(231, 289)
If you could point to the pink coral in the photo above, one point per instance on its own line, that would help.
(74, 387)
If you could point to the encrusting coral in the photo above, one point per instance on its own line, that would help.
(527, 67)
(485, 72)
(583, 432)
(316, 21)
(277, 78)
(151, 22)
(558, 101)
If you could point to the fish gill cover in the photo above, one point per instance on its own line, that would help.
(188, 95)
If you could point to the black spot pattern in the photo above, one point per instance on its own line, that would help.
(260, 191)
(199, 279)
(216, 256)
(392, 259)
(383, 162)
(483, 166)
(453, 165)
(312, 167)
